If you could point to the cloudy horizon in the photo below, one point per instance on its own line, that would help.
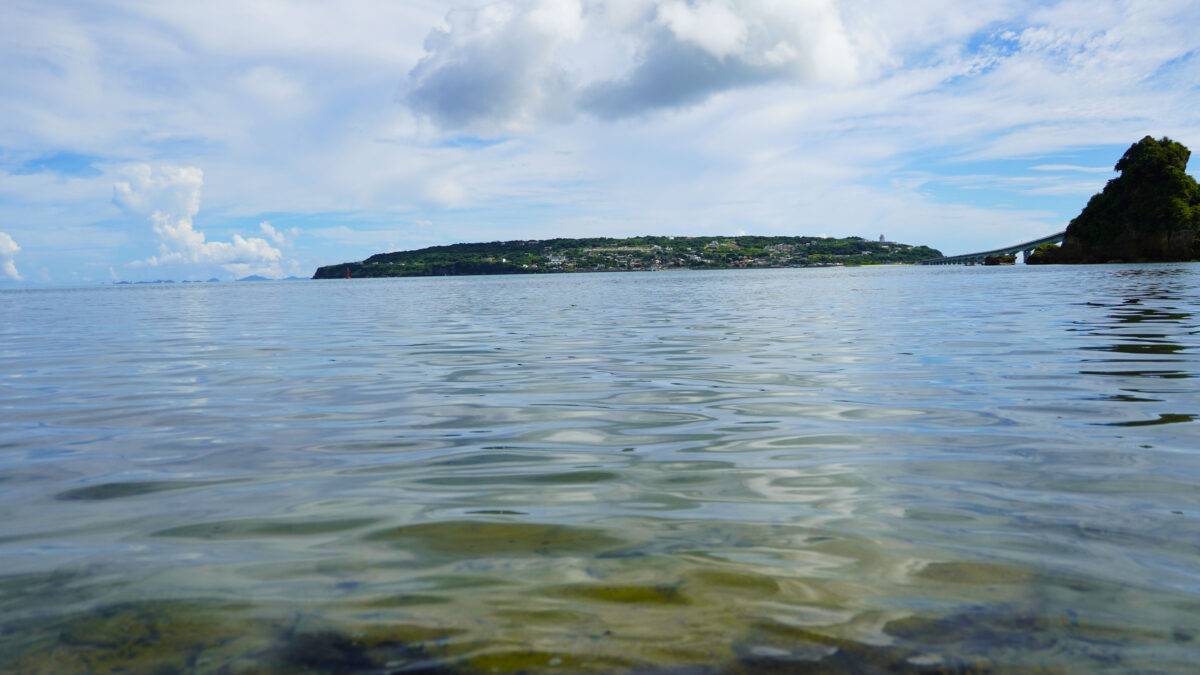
(227, 139)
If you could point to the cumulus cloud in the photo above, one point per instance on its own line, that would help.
(8, 251)
(281, 239)
(672, 74)
(713, 26)
(725, 108)
(508, 64)
(170, 197)
(695, 50)
(496, 65)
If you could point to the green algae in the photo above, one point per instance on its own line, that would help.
(407, 600)
(568, 477)
(29, 594)
(241, 529)
(204, 637)
(475, 538)
(561, 617)
(742, 583)
(966, 572)
(28, 586)
(196, 636)
(626, 594)
(457, 582)
(562, 478)
(558, 598)
(151, 637)
(121, 489)
(525, 660)
(774, 646)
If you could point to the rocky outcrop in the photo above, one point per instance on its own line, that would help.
(1150, 213)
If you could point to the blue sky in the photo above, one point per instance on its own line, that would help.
(222, 138)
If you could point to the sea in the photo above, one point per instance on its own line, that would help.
(862, 470)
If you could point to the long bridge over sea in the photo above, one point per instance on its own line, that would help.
(1025, 248)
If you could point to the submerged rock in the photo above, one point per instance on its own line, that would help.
(1150, 213)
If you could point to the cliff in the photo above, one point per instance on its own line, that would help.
(1150, 213)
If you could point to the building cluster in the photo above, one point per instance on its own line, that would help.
(713, 253)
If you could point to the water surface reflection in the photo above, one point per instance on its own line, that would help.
(861, 470)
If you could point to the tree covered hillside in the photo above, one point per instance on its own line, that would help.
(1150, 213)
(602, 254)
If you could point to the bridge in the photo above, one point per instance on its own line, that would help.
(972, 258)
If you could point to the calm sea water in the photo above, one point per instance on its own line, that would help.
(861, 470)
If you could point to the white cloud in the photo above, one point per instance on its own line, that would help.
(613, 117)
(712, 26)
(993, 69)
(445, 190)
(281, 239)
(510, 65)
(166, 193)
(272, 234)
(170, 197)
(272, 84)
(8, 251)
(495, 66)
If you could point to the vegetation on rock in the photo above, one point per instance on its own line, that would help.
(1046, 253)
(1150, 213)
(604, 254)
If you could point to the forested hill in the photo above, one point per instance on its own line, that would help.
(1150, 213)
(603, 254)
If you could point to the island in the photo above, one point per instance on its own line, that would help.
(648, 253)
(1150, 213)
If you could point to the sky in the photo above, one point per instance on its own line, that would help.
(220, 139)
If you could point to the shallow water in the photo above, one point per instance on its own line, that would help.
(858, 470)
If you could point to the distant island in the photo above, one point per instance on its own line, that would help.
(1150, 213)
(164, 281)
(649, 253)
(252, 277)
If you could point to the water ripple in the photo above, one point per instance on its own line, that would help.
(878, 469)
